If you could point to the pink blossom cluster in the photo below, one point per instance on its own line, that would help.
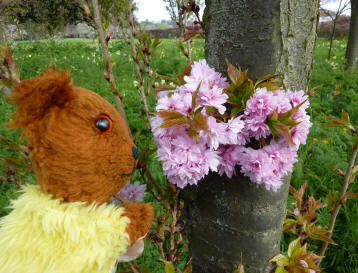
(131, 192)
(227, 144)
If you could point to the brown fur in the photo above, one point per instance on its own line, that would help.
(138, 212)
(72, 159)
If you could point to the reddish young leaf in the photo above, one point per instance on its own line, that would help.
(351, 195)
(298, 195)
(233, 73)
(185, 72)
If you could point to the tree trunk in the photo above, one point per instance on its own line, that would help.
(227, 218)
(332, 37)
(352, 46)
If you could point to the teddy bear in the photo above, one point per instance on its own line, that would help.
(82, 154)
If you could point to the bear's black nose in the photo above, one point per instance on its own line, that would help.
(135, 153)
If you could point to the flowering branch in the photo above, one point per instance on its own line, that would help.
(104, 40)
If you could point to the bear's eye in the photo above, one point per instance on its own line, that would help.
(104, 123)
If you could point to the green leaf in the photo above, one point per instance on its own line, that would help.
(164, 87)
(320, 234)
(192, 133)
(289, 224)
(197, 111)
(144, 269)
(354, 173)
(345, 117)
(281, 269)
(169, 267)
(156, 42)
(266, 79)
(291, 112)
(240, 269)
(235, 112)
(294, 248)
(331, 200)
(280, 260)
(168, 79)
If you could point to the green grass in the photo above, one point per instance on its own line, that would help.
(326, 147)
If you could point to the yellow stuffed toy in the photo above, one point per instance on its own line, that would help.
(82, 154)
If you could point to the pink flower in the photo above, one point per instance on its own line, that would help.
(261, 103)
(256, 126)
(221, 147)
(176, 102)
(202, 73)
(299, 132)
(131, 192)
(217, 133)
(296, 212)
(304, 263)
(229, 157)
(212, 97)
(185, 161)
(297, 98)
(234, 126)
(255, 165)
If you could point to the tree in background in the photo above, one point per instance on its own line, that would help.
(233, 219)
(343, 6)
(352, 46)
(50, 16)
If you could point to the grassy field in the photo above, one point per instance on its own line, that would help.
(326, 147)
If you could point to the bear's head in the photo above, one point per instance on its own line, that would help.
(79, 144)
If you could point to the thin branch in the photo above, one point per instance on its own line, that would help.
(187, 42)
(340, 201)
(139, 68)
(152, 180)
(108, 71)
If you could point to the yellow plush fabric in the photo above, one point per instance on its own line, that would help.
(45, 235)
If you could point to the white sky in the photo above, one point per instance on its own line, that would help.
(154, 10)
(335, 5)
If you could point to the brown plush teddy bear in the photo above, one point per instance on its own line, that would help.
(82, 154)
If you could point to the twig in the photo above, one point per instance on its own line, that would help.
(108, 71)
(149, 189)
(134, 268)
(189, 41)
(139, 67)
(340, 201)
(152, 180)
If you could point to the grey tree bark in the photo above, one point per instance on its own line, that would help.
(227, 218)
(352, 46)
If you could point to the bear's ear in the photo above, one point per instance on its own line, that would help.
(34, 97)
